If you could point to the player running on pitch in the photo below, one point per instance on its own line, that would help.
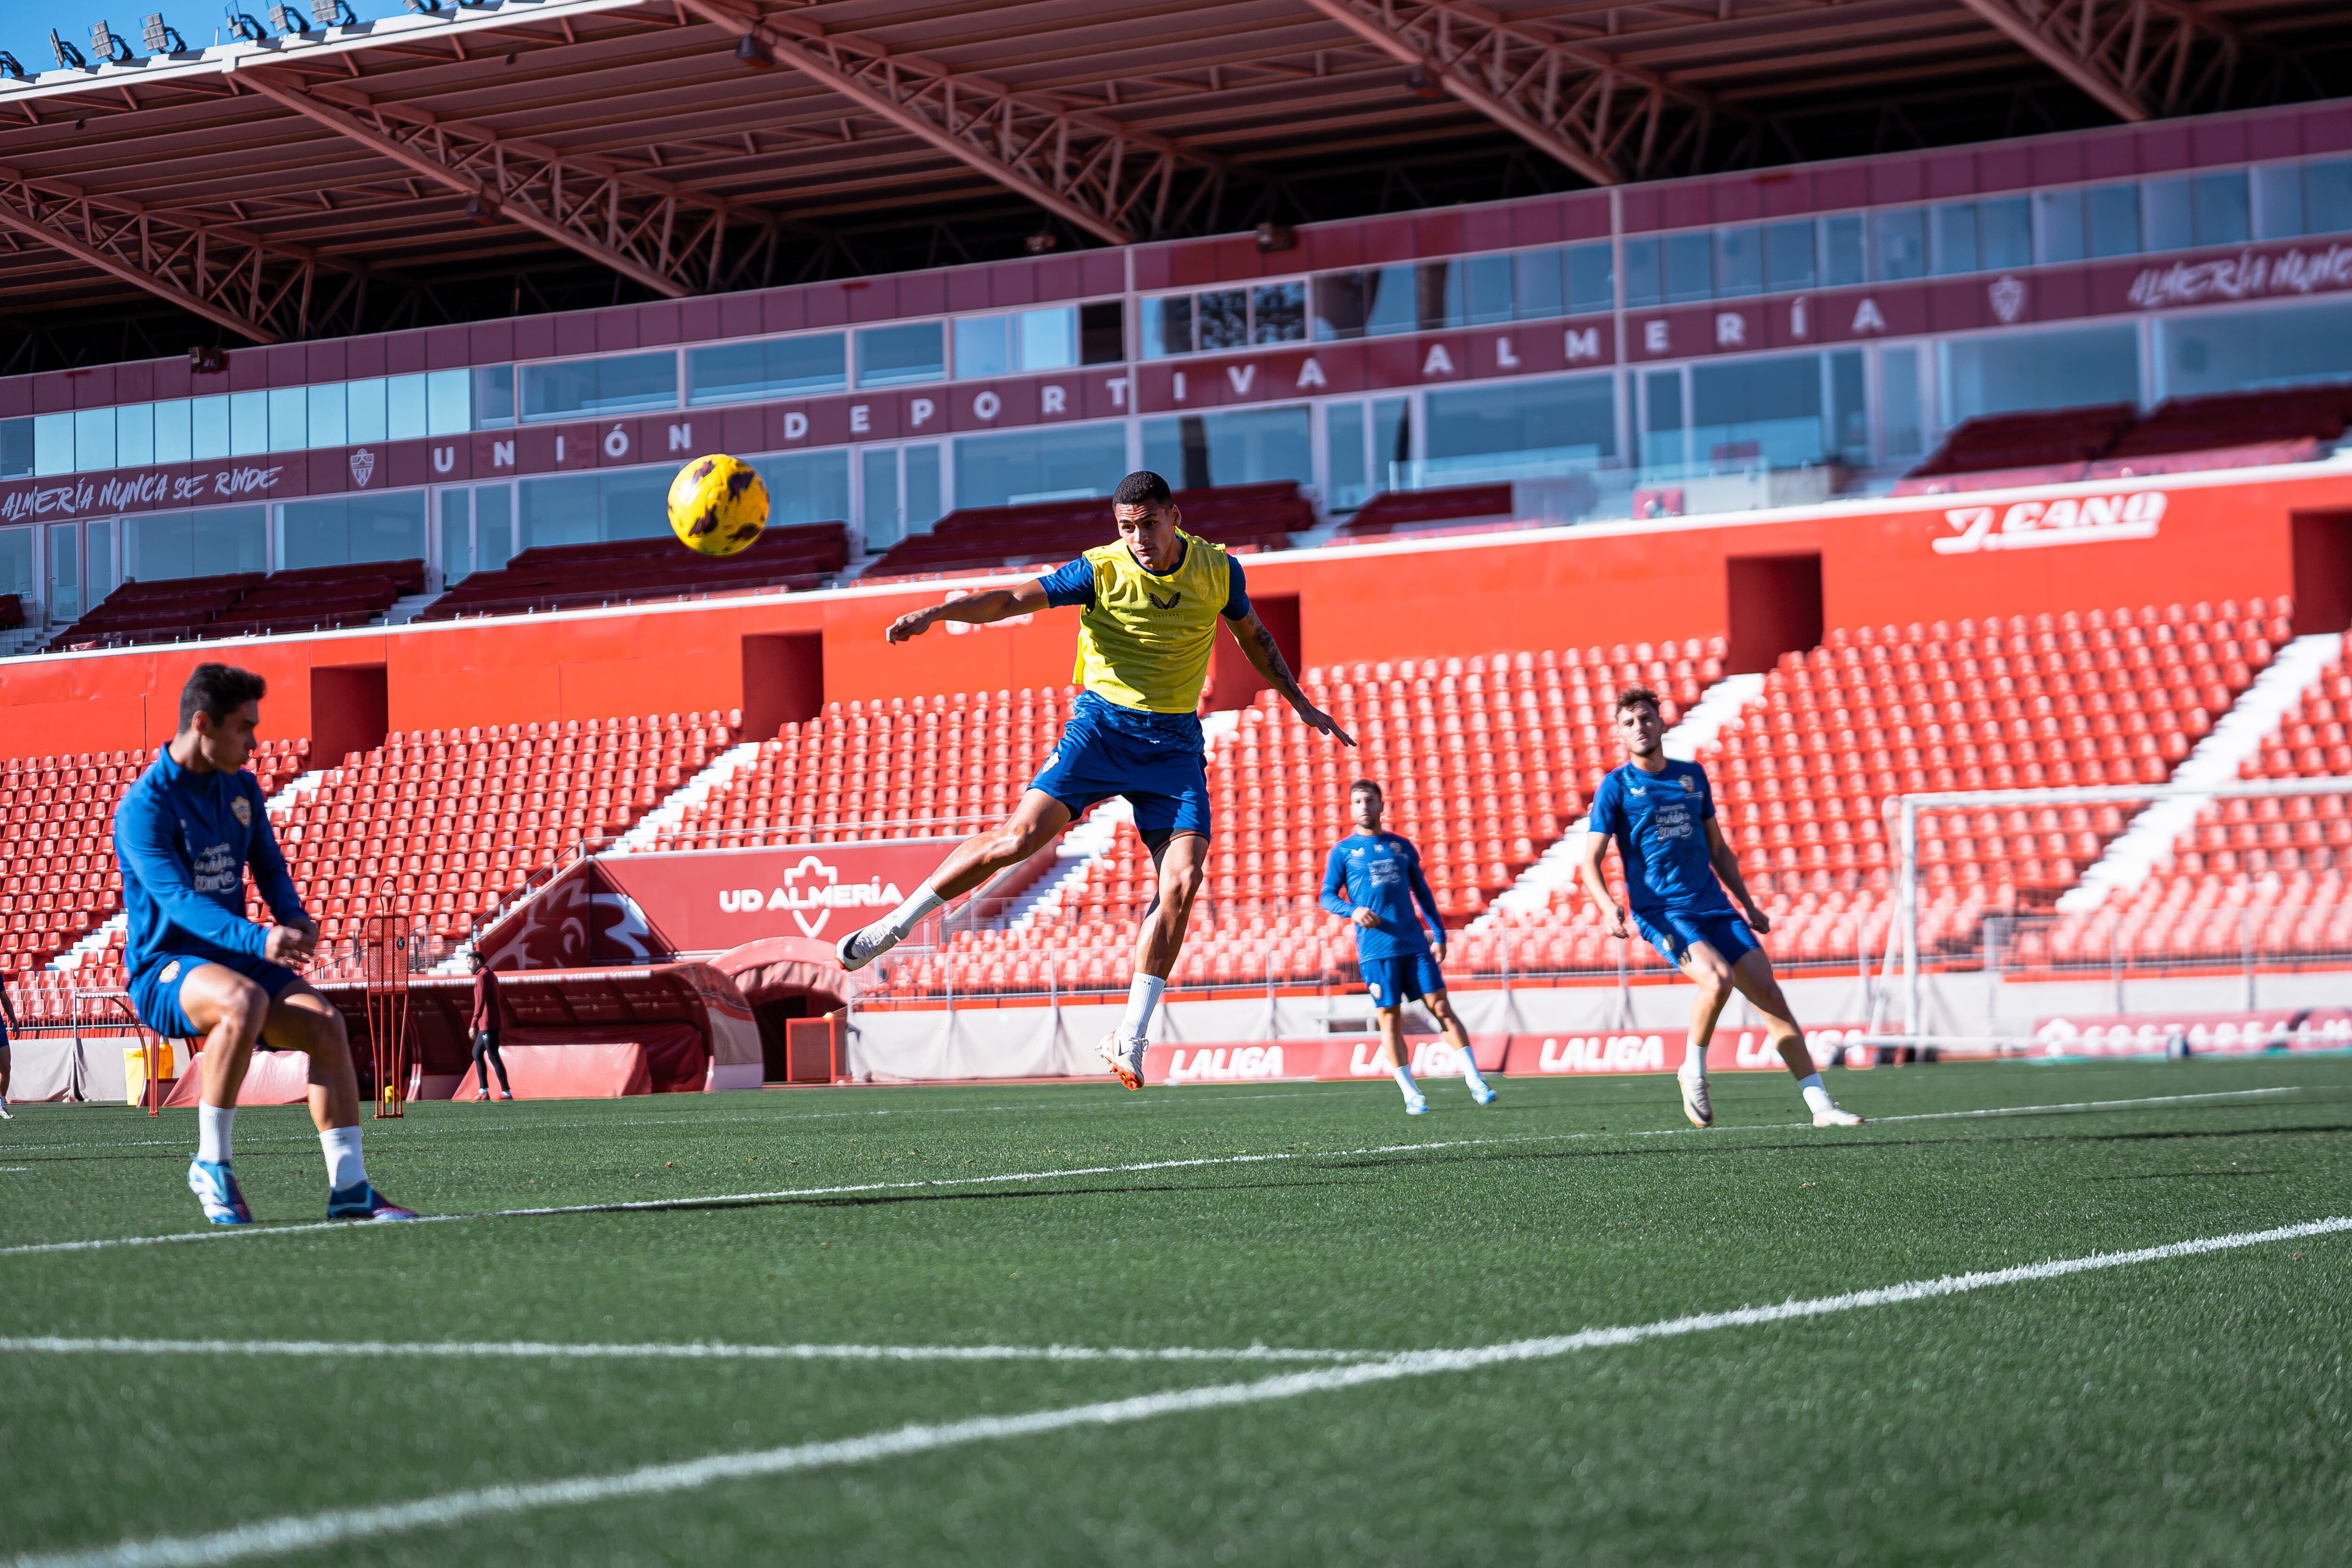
(199, 970)
(1373, 881)
(1148, 607)
(1662, 814)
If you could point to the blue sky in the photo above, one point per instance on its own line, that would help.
(25, 26)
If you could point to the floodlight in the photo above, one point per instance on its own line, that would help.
(68, 55)
(242, 26)
(1273, 236)
(424, 7)
(162, 37)
(333, 14)
(749, 50)
(285, 20)
(1041, 242)
(110, 49)
(208, 361)
(10, 66)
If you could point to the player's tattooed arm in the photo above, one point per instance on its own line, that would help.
(1727, 867)
(973, 609)
(1266, 659)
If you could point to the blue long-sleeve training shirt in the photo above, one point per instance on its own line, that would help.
(1381, 872)
(184, 841)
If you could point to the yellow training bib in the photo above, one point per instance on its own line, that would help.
(1145, 640)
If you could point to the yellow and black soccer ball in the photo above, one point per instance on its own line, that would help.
(718, 505)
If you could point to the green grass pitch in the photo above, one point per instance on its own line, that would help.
(2192, 1409)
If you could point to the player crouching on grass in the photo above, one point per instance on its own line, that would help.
(1677, 863)
(1373, 881)
(183, 837)
(1149, 606)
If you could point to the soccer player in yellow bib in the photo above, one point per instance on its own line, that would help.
(1149, 605)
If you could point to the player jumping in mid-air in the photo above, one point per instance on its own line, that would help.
(1148, 607)
(199, 970)
(1661, 815)
(1373, 881)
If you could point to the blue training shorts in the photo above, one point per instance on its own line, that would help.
(1407, 977)
(1167, 782)
(1673, 934)
(156, 993)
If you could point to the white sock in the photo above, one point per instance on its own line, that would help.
(1470, 1070)
(213, 1123)
(343, 1163)
(900, 922)
(1404, 1081)
(1693, 1063)
(1817, 1099)
(1143, 994)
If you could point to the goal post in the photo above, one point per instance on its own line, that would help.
(2180, 805)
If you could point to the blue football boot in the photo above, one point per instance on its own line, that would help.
(214, 1185)
(361, 1201)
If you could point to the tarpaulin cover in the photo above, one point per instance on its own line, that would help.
(271, 1078)
(574, 1071)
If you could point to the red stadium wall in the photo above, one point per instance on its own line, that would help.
(2127, 543)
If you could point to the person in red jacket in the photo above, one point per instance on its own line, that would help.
(484, 1027)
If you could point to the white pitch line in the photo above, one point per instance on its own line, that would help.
(728, 1200)
(312, 1532)
(535, 1349)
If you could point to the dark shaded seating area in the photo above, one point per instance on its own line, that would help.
(1410, 511)
(973, 539)
(577, 576)
(2229, 430)
(243, 603)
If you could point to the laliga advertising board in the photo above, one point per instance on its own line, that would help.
(1564, 1053)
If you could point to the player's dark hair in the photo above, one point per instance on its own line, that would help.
(217, 690)
(1633, 694)
(1142, 488)
(1366, 784)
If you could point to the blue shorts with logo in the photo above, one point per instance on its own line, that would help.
(1407, 977)
(156, 992)
(1166, 780)
(1673, 934)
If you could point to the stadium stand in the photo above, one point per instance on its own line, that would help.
(572, 577)
(1261, 516)
(168, 611)
(1413, 511)
(318, 598)
(2232, 431)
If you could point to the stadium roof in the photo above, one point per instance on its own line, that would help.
(502, 159)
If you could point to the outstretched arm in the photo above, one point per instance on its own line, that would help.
(1264, 657)
(975, 609)
(1726, 862)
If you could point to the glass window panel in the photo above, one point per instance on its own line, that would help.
(2011, 371)
(900, 353)
(2167, 215)
(2111, 220)
(1221, 318)
(340, 529)
(1441, 303)
(494, 397)
(456, 535)
(1788, 256)
(631, 382)
(1050, 464)
(1690, 267)
(1848, 429)
(2277, 346)
(807, 487)
(1591, 279)
(404, 408)
(2278, 201)
(15, 451)
(1666, 444)
(1339, 306)
(558, 510)
(1049, 339)
(818, 362)
(551, 391)
(1903, 431)
(1168, 326)
(1898, 245)
(925, 498)
(879, 468)
(494, 526)
(2219, 202)
(2005, 233)
(365, 403)
(634, 503)
(53, 444)
(1243, 447)
(1487, 281)
(1346, 458)
(16, 565)
(1102, 333)
(1535, 282)
(2327, 196)
(290, 419)
(1646, 280)
(1391, 438)
(1390, 302)
(134, 434)
(1566, 421)
(173, 436)
(93, 439)
(209, 428)
(97, 559)
(1842, 251)
(982, 348)
(1738, 261)
(1277, 313)
(732, 373)
(159, 545)
(2058, 225)
(587, 508)
(1764, 410)
(63, 597)
(326, 411)
(449, 403)
(1953, 232)
(248, 424)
